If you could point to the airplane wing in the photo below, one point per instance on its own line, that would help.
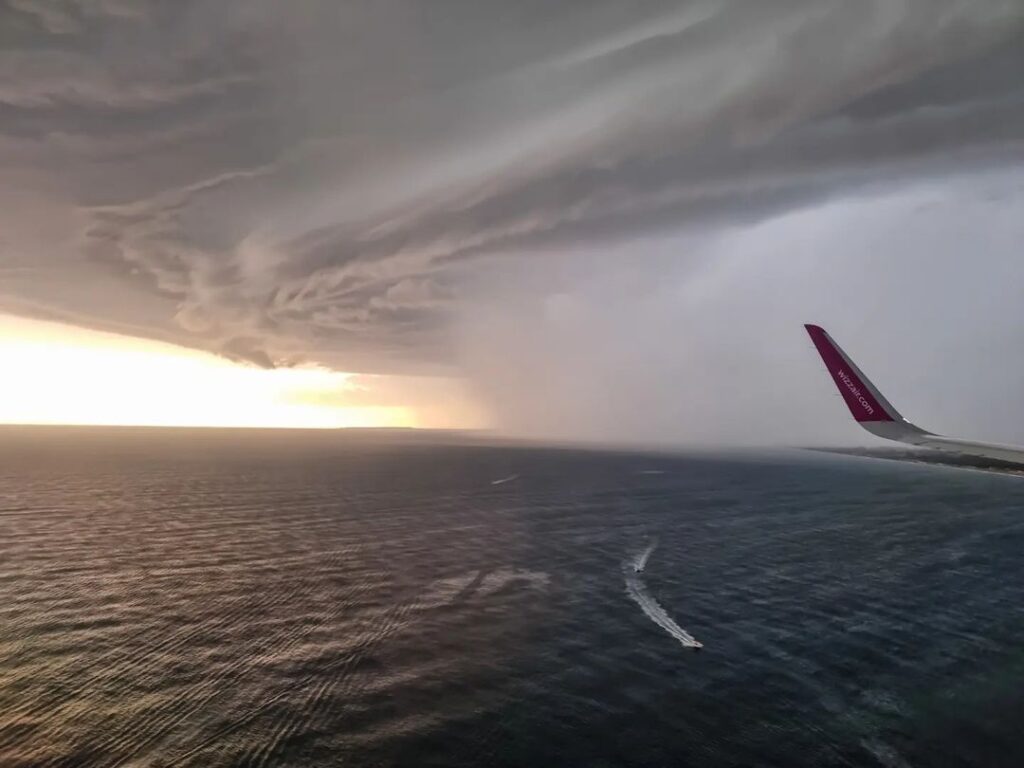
(876, 414)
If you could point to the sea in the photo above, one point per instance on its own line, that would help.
(319, 598)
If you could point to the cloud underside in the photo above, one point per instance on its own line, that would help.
(334, 185)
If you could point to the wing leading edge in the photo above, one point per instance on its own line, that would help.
(874, 413)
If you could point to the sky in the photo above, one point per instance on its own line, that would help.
(59, 374)
(577, 220)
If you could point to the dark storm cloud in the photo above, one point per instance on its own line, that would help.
(328, 181)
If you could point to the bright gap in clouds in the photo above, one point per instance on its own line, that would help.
(57, 374)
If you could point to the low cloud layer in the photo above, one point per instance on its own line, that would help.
(578, 207)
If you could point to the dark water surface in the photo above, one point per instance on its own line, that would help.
(207, 598)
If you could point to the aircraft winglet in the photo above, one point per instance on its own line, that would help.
(876, 415)
(865, 402)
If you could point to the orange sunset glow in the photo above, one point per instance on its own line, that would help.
(59, 374)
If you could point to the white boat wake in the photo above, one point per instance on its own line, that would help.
(640, 561)
(503, 480)
(638, 592)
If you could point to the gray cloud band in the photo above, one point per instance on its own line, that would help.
(327, 186)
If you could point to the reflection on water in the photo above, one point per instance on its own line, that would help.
(206, 598)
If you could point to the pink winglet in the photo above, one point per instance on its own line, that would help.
(857, 393)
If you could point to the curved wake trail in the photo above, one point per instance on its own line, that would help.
(640, 561)
(638, 592)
